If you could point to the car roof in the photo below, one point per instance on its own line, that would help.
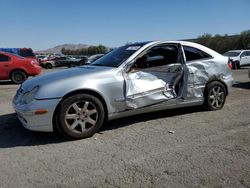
(191, 44)
(145, 45)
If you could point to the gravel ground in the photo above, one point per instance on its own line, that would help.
(176, 148)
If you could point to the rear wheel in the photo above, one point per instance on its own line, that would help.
(48, 66)
(18, 77)
(80, 116)
(215, 96)
(70, 65)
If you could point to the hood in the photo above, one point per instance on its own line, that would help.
(67, 76)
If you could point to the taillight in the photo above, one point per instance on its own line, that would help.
(34, 62)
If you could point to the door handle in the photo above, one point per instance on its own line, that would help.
(6, 65)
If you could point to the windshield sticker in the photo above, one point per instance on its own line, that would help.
(133, 48)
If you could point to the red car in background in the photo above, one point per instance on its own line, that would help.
(17, 68)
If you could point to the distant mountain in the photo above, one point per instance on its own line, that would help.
(57, 49)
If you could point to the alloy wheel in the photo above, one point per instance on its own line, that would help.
(81, 116)
(217, 97)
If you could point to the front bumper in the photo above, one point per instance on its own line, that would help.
(28, 118)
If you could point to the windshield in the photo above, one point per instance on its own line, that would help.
(231, 54)
(117, 56)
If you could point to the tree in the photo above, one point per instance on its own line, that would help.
(91, 50)
(224, 43)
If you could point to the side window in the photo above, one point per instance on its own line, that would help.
(248, 53)
(192, 53)
(26, 53)
(60, 58)
(4, 58)
(243, 54)
(158, 56)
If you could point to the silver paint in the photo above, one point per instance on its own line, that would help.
(125, 93)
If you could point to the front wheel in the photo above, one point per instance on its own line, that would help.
(215, 96)
(70, 65)
(80, 116)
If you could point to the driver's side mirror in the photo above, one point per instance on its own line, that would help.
(136, 64)
(129, 66)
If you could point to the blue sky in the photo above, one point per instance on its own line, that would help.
(41, 24)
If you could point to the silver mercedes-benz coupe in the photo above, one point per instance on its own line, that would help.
(132, 79)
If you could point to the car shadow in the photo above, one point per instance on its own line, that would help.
(123, 122)
(12, 134)
(242, 85)
(7, 82)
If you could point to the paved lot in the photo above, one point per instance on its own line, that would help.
(207, 149)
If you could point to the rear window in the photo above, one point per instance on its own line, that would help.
(247, 53)
(26, 53)
(4, 58)
(192, 53)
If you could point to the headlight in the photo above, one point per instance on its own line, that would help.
(29, 96)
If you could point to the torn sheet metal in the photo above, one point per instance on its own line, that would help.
(158, 84)
(151, 86)
(199, 74)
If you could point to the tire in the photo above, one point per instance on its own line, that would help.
(79, 116)
(237, 64)
(18, 77)
(215, 96)
(233, 65)
(70, 65)
(48, 66)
